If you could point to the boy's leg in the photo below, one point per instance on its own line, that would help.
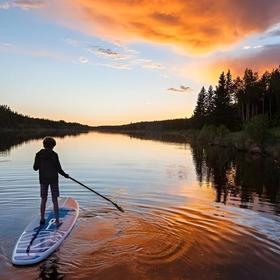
(43, 208)
(55, 208)
(44, 197)
(55, 195)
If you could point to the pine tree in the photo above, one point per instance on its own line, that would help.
(222, 108)
(239, 97)
(210, 101)
(229, 87)
(200, 109)
(274, 93)
(250, 79)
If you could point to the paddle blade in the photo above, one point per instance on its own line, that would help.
(119, 207)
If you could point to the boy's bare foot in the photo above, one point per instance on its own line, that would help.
(42, 222)
(58, 223)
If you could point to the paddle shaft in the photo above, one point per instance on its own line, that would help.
(33, 238)
(106, 198)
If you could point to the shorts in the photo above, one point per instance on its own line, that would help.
(54, 190)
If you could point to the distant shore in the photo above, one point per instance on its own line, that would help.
(239, 141)
(13, 121)
(40, 130)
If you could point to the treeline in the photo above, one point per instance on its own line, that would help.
(11, 120)
(234, 102)
(148, 126)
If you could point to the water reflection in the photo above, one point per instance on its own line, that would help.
(238, 178)
(171, 228)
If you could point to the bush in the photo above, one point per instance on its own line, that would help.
(222, 131)
(257, 128)
(209, 133)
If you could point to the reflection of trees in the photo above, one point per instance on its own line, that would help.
(162, 136)
(213, 167)
(237, 177)
(9, 140)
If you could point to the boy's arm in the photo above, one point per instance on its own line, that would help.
(59, 168)
(36, 164)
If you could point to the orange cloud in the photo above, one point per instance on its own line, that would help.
(197, 26)
(266, 59)
(208, 70)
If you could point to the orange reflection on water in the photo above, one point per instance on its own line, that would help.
(161, 244)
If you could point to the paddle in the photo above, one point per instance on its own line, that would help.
(115, 204)
(33, 238)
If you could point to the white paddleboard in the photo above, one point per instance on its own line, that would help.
(37, 242)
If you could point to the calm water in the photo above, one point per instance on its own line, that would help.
(190, 212)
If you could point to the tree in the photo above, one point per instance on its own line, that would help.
(209, 102)
(229, 87)
(239, 97)
(200, 109)
(264, 85)
(222, 102)
(250, 87)
(274, 93)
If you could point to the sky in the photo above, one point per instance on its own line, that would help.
(121, 61)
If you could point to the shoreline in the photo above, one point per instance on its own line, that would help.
(238, 141)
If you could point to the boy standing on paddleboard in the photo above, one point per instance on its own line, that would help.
(47, 162)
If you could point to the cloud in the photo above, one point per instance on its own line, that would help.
(275, 33)
(5, 6)
(71, 42)
(147, 63)
(83, 60)
(252, 47)
(131, 57)
(181, 89)
(115, 65)
(152, 65)
(22, 4)
(265, 58)
(108, 53)
(198, 26)
(259, 59)
(6, 45)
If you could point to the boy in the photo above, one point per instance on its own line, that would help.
(47, 162)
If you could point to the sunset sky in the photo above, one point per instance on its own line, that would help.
(121, 61)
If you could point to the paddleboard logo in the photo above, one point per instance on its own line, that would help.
(51, 222)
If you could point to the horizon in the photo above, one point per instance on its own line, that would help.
(119, 62)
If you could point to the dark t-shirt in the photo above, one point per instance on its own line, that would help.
(47, 162)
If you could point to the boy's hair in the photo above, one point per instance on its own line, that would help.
(49, 142)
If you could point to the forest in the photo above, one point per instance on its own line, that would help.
(234, 102)
(10, 120)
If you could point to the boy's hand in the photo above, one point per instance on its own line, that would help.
(66, 176)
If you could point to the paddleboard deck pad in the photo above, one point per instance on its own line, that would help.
(38, 242)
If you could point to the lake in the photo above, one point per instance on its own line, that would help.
(191, 212)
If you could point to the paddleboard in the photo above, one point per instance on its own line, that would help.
(38, 242)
